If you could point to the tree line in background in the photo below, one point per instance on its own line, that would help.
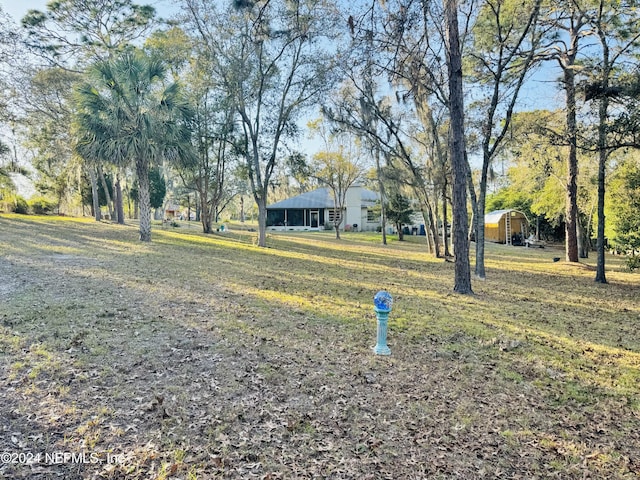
(418, 99)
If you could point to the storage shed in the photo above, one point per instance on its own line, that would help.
(506, 226)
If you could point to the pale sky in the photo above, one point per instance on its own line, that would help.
(18, 8)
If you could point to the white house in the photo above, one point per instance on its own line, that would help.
(313, 210)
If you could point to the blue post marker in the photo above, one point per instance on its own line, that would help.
(383, 301)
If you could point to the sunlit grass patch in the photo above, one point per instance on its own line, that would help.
(43, 219)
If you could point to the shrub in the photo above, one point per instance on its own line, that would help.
(41, 206)
(21, 206)
(633, 263)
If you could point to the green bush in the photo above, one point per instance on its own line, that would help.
(21, 206)
(41, 206)
(633, 263)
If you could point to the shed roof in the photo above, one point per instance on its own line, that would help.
(321, 198)
(495, 216)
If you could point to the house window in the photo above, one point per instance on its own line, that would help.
(275, 218)
(373, 216)
(332, 215)
(295, 218)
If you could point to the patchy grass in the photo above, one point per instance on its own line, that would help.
(201, 357)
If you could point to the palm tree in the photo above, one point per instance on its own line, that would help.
(128, 114)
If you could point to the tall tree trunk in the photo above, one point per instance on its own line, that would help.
(479, 221)
(142, 169)
(572, 168)
(442, 160)
(583, 238)
(462, 283)
(262, 221)
(205, 216)
(106, 193)
(119, 200)
(445, 235)
(425, 219)
(474, 200)
(206, 211)
(436, 215)
(422, 193)
(95, 196)
(603, 153)
(336, 224)
(114, 196)
(383, 197)
(433, 230)
(602, 165)
(453, 227)
(127, 194)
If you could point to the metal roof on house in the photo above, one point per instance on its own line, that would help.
(494, 217)
(320, 198)
(368, 197)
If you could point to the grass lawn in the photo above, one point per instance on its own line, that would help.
(202, 357)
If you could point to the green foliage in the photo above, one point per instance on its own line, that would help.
(514, 198)
(75, 31)
(512, 18)
(399, 209)
(134, 192)
(4, 149)
(157, 188)
(299, 169)
(633, 263)
(48, 119)
(538, 174)
(625, 205)
(20, 205)
(87, 196)
(172, 45)
(510, 198)
(7, 187)
(41, 206)
(127, 113)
